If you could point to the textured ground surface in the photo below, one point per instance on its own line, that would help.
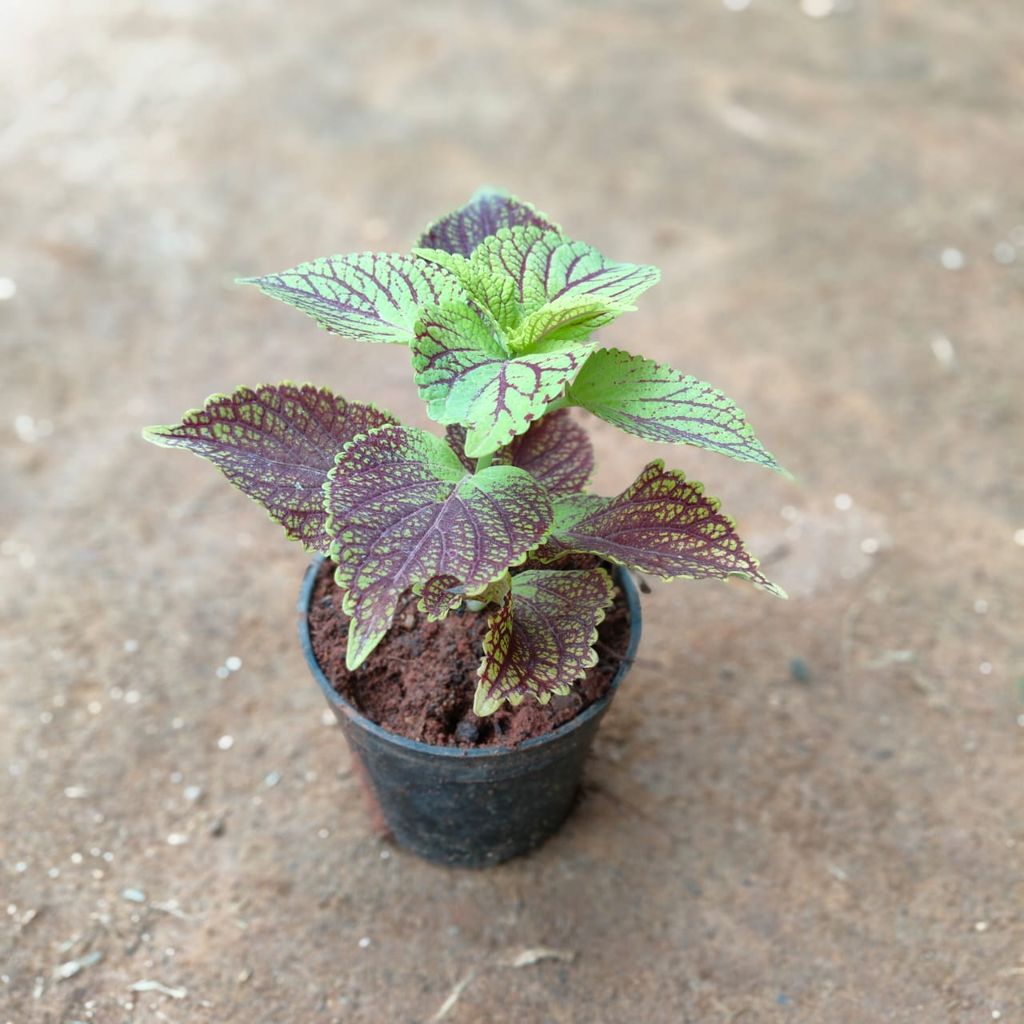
(799, 812)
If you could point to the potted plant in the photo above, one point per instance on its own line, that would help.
(433, 552)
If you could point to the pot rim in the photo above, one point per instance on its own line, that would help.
(622, 579)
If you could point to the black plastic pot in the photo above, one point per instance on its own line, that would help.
(471, 808)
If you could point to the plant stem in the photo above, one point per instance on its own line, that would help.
(484, 461)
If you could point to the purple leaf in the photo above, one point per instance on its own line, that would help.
(555, 450)
(488, 211)
(661, 524)
(276, 442)
(455, 435)
(404, 511)
(540, 640)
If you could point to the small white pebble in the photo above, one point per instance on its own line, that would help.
(193, 793)
(817, 8)
(8, 289)
(735, 5)
(97, 873)
(996, 1015)
(54, 872)
(1020, 721)
(323, 833)
(981, 926)
(327, 717)
(76, 792)
(222, 672)
(942, 349)
(271, 779)
(985, 668)
(952, 259)
(226, 742)
(46, 717)
(108, 856)
(233, 664)
(131, 646)
(364, 942)
(177, 723)
(385, 854)
(21, 867)
(94, 707)
(177, 839)
(843, 502)
(1004, 253)
(869, 545)
(981, 606)
(1018, 538)
(76, 858)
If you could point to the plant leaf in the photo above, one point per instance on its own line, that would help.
(367, 296)
(547, 267)
(540, 640)
(658, 403)
(404, 511)
(494, 294)
(455, 435)
(464, 377)
(277, 443)
(661, 524)
(566, 319)
(556, 451)
(487, 212)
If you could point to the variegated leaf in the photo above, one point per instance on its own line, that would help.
(493, 294)
(547, 267)
(566, 319)
(658, 403)
(662, 524)
(276, 442)
(486, 213)
(555, 450)
(464, 377)
(404, 511)
(368, 296)
(540, 639)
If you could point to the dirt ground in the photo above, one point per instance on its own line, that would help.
(803, 811)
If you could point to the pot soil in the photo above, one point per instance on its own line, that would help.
(452, 787)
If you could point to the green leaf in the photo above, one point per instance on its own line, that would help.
(404, 511)
(368, 296)
(540, 640)
(489, 210)
(464, 377)
(547, 267)
(276, 442)
(658, 403)
(566, 319)
(661, 524)
(494, 294)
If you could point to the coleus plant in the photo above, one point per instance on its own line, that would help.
(498, 309)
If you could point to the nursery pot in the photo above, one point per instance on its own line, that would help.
(471, 808)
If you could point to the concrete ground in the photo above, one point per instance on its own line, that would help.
(798, 812)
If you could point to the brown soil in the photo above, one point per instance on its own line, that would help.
(420, 680)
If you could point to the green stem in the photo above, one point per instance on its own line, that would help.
(484, 461)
